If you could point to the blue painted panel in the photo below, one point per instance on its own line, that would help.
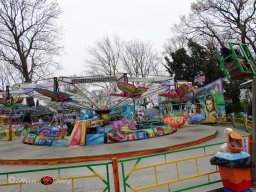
(94, 139)
(60, 143)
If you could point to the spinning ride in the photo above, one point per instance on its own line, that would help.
(83, 93)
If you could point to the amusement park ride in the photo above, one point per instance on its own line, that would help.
(81, 93)
(237, 62)
(100, 98)
(112, 108)
(86, 91)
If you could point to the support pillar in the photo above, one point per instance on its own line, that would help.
(254, 127)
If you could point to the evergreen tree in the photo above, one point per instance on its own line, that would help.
(185, 64)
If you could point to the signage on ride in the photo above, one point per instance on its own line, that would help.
(94, 80)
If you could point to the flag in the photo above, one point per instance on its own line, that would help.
(199, 79)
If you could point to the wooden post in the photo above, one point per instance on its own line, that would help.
(254, 127)
(116, 175)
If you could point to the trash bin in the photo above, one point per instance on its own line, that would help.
(236, 179)
(235, 170)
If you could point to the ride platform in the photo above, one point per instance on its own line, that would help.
(17, 153)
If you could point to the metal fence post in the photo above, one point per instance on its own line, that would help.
(116, 175)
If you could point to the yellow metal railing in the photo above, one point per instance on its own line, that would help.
(54, 179)
(176, 172)
(179, 178)
(225, 120)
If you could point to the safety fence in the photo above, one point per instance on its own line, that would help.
(237, 120)
(169, 171)
(191, 164)
(30, 180)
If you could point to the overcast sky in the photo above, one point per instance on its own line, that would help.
(85, 21)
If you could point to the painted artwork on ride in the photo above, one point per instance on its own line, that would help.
(123, 135)
(15, 128)
(45, 135)
(129, 90)
(126, 111)
(55, 96)
(86, 114)
(212, 101)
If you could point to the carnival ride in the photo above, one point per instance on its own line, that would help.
(10, 121)
(113, 108)
(237, 61)
(119, 93)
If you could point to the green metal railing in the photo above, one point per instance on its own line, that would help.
(90, 167)
(198, 153)
(179, 178)
(246, 55)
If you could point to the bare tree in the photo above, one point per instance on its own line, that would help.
(217, 21)
(105, 56)
(110, 56)
(8, 75)
(140, 60)
(29, 37)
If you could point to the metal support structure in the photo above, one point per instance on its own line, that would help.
(125, 78)
(254, 127)
(7, 92)
(63, 114)
(55, 84)
(8, 96)
(10, 125)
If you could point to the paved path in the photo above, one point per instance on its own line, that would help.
(20, 151)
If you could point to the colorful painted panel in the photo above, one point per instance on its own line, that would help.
(10, 102)
(42, 141)
(162, 130)
(16, 131)
(114, 137)
(60, 143)
(30, 138)
(213, 88)
(174, 122)
(94, 139)
(129, 90)
(141, 135)
(211, 101)
(196, 118)
(45, 136)
(155, 131)
(86, 114)
(124, 124)
(51, 132)
(57, 96)
(120, 112)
